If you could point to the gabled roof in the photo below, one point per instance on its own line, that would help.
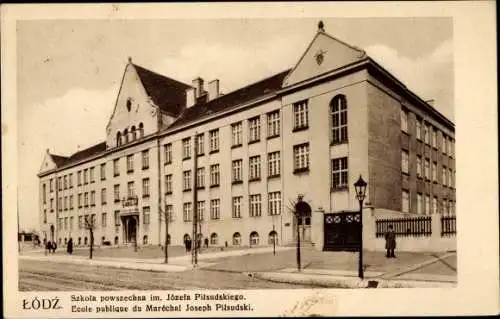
(58, 160)
(228, 101)
(168, 94)
(80, 155)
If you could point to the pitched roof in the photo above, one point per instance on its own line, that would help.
(232, 99)
(167, 93)
(80, 155)
(59, 160)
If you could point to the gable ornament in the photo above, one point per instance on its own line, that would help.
(320, 56)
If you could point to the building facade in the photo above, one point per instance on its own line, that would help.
(241, 159)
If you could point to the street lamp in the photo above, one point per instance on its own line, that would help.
(360, 187)
(301, 209)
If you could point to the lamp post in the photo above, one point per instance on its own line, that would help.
(301, 209)
(360, 187)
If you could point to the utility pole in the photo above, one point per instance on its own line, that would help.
(195, 202)
(166, 233)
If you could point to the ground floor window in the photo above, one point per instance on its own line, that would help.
(145, 240)
(254, 238)
(236, 239)
(213, 239)
(79, 240)
(273, 237)
(116, 240)
(85, 241)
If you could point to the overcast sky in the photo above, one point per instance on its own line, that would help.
(69, 70)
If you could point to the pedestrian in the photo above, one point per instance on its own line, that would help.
(390, 243)
(69, 248)
(48, 246)
(206, 242)
(54, 247)
(188, 245)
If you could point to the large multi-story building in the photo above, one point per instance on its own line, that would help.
(241, 159)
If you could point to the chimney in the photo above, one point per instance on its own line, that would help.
(198, 85)
(190, 97)
(213, 89)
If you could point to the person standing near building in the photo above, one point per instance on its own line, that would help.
(69, 248)
(390, 243)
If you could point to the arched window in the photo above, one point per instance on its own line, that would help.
(79, 240)
(272, 238)
(85, 240)
(141, 130)
(134, 133)
(254, 238)
(116, 240)
(145, 240)
(213, 239)
(236, 239)
(338, 109)
(118, 139)
(125, 136)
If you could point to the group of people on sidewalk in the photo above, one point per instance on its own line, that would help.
(51, 246)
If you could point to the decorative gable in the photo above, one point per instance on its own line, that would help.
(48, 163)
(325, 53)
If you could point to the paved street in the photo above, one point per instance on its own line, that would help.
(40, 276)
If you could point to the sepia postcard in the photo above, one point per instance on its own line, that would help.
(249, 159)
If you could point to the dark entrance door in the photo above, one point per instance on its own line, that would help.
(342, 231)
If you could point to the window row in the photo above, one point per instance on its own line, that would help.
(424, 206)
(129, 136)
(130, 190)
(427, 170)
(130, 160)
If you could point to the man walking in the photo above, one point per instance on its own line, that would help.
(390, 243)
(69, 248)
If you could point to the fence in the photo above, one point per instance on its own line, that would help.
(448, 226)
(405, 227)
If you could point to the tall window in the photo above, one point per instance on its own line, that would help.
(214, 140)
(79, 179)
(273, 164)
(445, 207)
(71, 202)
(71, 223)
(65, 203)
(255, 205)
(404, 162)
(44, 191)
(146, 215)
(419, 128)
(104, 220)
(434, 172)
(200, 144)
(300, 115)
(141, 130)
(434, 138)
(434, 205)
(237, 170)
(168, 184)
(186, 180)
(65, 181)
(130, 189)
(117, 218)
(169, 209)
(419, 203)
(427, 169)
(51, 185)
(118, 139)
(274, 203)
(273, 123)
(145, 159)
(187, 212)
(186, 148)
(338, 108)
(236, 130)
(339, 173)
(419, 166)
(443, 143)
(237, 206)
(80, 200)
(92, 198)
(200, 177)
(130, 163)
(214, 175)
(301, 157)
(168, 153)
(52, 204)
(145, 187)
(451, 147)
(86, 199)
(404, 120)
(427, 204)
(116, 192)
(443, 176)
(254, 129)
(255, 167)
(450, 178)
(103, 197)
(405, 201)
(125, 135)
(103, 171)
(70, 180)
(200, 210)
(85, 176)
(215, 209)
(116, 167)
(92, 175)
(452, 208)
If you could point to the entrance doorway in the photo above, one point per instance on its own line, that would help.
(129, 229)
(305, 227)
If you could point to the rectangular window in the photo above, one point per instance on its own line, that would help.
(427, 169)
(452, 208)
(80, 200)
(169, 209)
(186, 148)
(273, 164)
(168, 153)
(237, 173)
(419, 204)
(92, 198)
(200, 210)
(419, 129)
(44, 192)
(215, 209)
(65, 223)
(434, 138)
(339, 173)
(117, 218)
(186, 212)
(103, 172)
(434, 172)
(145, 187)
(274, 203)
(186, 180)
(443, 176)
(255, 205)
(301, 157)
(404, 120)
(404, 162)
(445, 207)
(79, 178)
(71, 223)
(70, 180)
(434, 205)
(339, 119)
(254, 168)
(130, 163)
(59, 204)
(71, 202)
(168, 184)
(51, 185)
(103, 197)
(427, 204)
(130, 190)
(236, 130)
(300, 115)
(451, 147)
(254, 129)
(426, 133)
(86, 176)
(443, 146)
(214, 140)
(65, 182)
(273, 124)
(450, 177)
(145, 159)
(237, 206)
(92, 175)
(146, 215)
(86, 199)
(116, 167)
(200, 177)
(65, 203)
(200, 144)
(104, 220)
(51, 204)
(45, 216)
(116, 192)
(214, 175)
(419, 166)
(405, 201)
(80, 222)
